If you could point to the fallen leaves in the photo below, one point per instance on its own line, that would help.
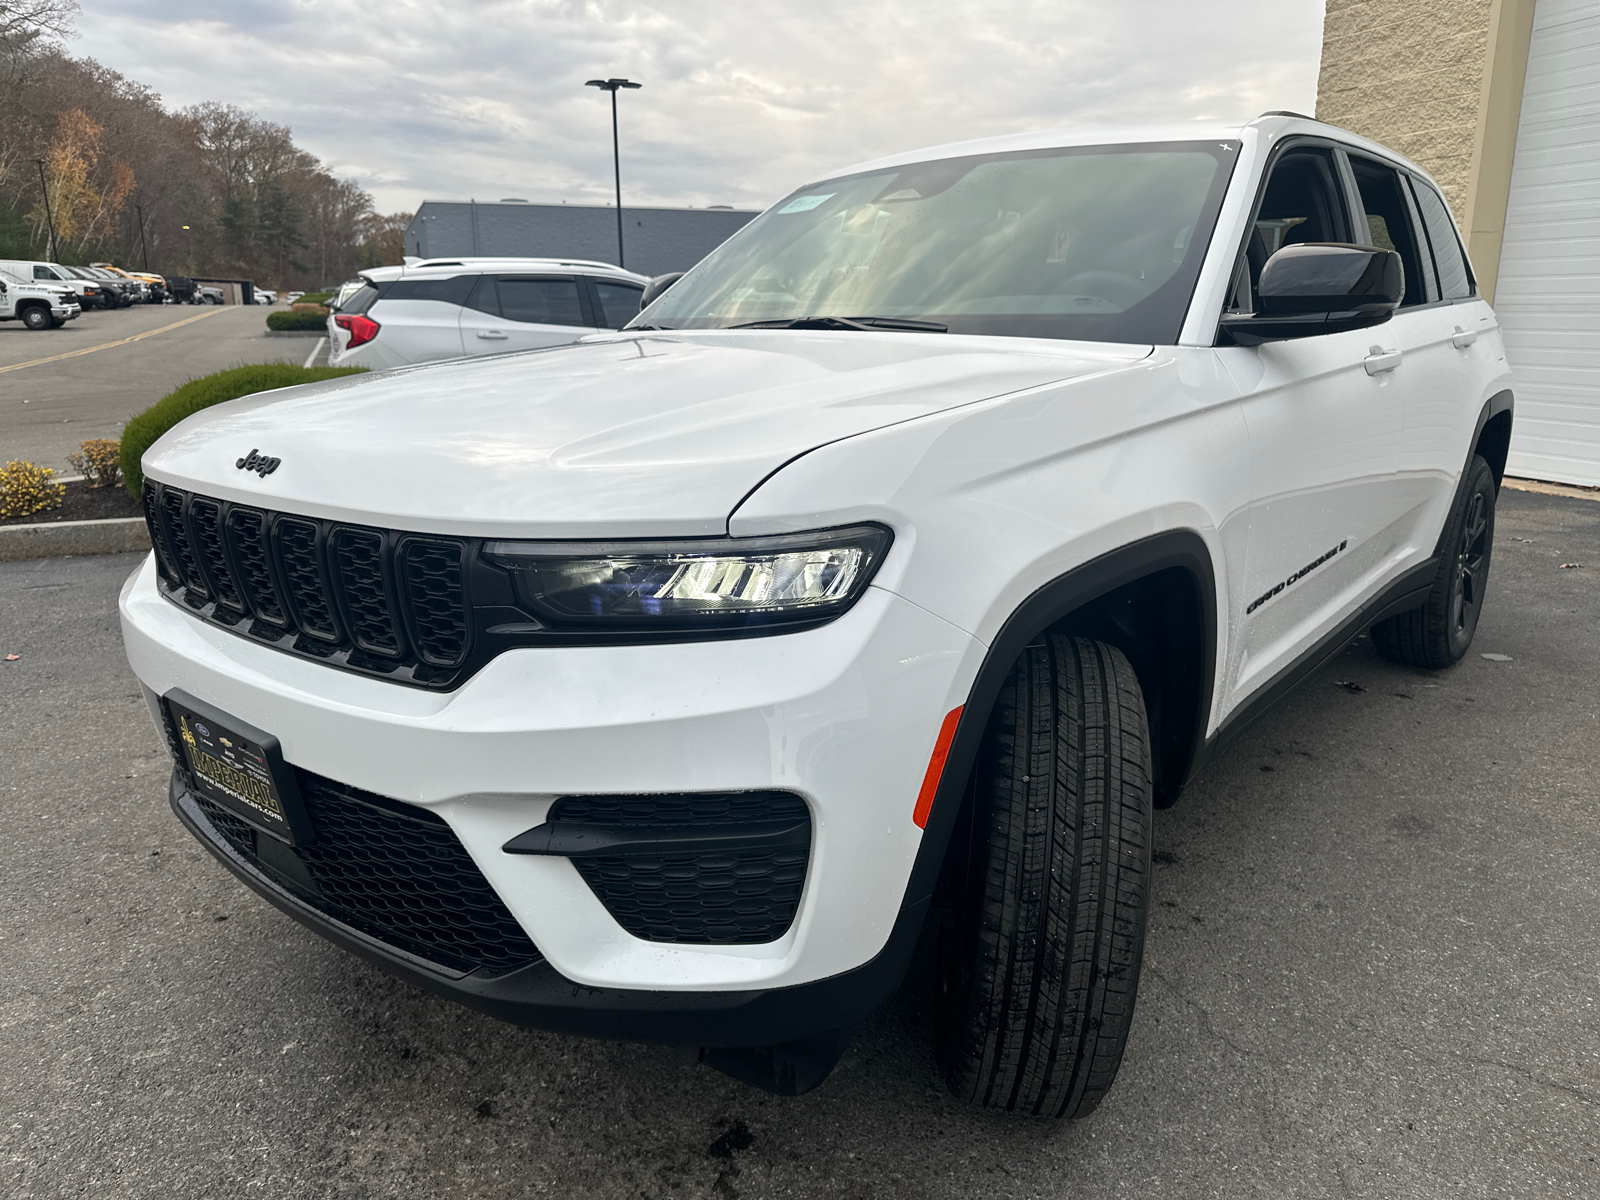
(1349, 685)
(1569, 566)
(1497, 657)
(12, 657)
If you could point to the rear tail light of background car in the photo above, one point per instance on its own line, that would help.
(361, 329)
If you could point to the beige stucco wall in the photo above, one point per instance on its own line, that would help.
(1409, 74)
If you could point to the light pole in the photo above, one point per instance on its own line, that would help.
(45, 188)
(612, 86)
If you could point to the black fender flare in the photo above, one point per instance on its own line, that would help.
(1181, 548)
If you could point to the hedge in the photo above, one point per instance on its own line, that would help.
(314, 298)
(296, 320)
(143, 430)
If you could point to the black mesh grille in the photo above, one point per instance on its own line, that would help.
(178, 542)
(340, 594)
(433, 584)
(358, 563)
(733, 897)
(205, 520)
(152, 520)
(247, 531)
(391, 870)
(297, 551)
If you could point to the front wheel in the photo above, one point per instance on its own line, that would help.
(1046, 885)
(36, 316)
(1440, 632)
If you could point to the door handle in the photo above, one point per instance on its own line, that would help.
(1379, 360)
(493, 335)
(1461, 339)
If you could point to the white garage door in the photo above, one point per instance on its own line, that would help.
(1548, 294)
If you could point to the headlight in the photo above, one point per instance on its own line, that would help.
(716, 583)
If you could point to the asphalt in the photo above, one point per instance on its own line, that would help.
(1371, 971)
(48, 408)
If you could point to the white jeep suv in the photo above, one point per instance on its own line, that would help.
(450, 308)
(876, 582)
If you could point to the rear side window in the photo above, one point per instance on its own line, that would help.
(451, 291)
(1389, 224)
(1455, 281)
(361, 300)
(619, 302)
(539, 301)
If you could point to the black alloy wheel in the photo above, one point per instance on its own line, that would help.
(1439, 632)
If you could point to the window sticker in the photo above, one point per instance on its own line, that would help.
(804, 203)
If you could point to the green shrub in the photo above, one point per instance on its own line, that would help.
(314, 298)
(296, 320)
(143, 430)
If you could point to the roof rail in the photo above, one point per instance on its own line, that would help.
(1284, 112)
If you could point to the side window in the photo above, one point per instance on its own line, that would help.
(1389, 225)
(1455, 280)
(361, 300)
(43, 273)
(1301, 203)
(619, 302)
(540, 301)
(452, 291)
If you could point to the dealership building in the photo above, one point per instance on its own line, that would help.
(654, 240)
(1500, 101)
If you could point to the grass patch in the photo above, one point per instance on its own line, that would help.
(314, 298)
(197, 394)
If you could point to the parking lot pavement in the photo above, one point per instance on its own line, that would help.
(1371, 971)
(48, 408)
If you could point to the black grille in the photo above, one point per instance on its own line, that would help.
(394, 871)
(297, 551)
(433, 583)
(205, 518)
(724, 897)
(343, 594)
(358, 565)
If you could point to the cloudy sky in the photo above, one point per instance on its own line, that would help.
(451, 99)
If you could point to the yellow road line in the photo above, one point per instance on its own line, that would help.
(107, 345)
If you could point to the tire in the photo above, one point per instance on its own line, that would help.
(36, 317)
(1439, 633)
(1046, 885)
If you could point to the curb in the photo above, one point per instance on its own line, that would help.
(61, 539)
(297, 333)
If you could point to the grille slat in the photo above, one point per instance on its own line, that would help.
(205, 519)
(385, 604)
(297, 552)
(433, 586)
(247, 533)
(178, 542)
(358, 565)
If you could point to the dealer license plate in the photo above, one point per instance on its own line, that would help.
(241, 771)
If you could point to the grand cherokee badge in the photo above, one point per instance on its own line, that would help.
(261, 464)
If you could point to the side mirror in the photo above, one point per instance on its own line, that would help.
(1320, 287)
(658, 285)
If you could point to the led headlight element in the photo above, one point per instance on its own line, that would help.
(712, 583)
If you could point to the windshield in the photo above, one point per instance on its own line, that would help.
(1093, 242)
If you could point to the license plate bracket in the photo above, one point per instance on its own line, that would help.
(240, 768)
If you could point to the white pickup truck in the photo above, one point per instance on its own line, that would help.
(37, 304)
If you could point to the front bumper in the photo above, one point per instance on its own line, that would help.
(844, 715)
(540, 997)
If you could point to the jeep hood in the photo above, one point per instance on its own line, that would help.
(628, 435)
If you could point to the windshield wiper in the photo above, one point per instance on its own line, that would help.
(866, 323)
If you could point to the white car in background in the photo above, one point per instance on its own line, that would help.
(454, 308)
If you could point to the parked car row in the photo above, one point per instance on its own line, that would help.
(460, 307)
(45, 295)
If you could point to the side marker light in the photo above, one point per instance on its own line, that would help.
(930, 781)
